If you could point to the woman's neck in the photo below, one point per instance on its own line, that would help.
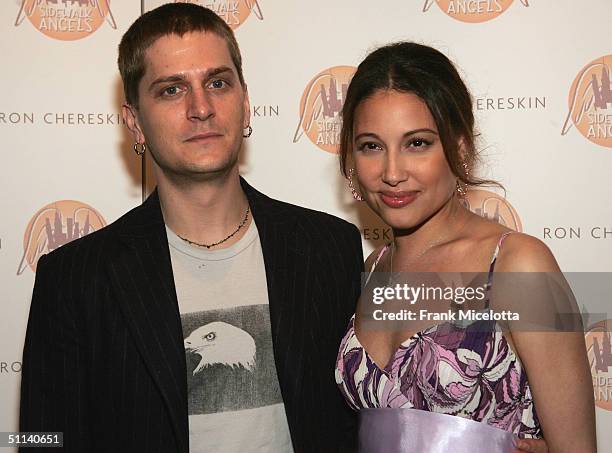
(444, 226)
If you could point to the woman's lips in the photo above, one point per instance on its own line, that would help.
(398, 199)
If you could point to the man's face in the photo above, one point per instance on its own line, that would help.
(192, 109)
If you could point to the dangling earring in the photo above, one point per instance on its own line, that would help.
(249, 131)
(140, 148)
(356, 195)
(462, 189)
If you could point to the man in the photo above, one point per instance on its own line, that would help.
(210, 316)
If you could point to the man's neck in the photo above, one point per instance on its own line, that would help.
(204, 211)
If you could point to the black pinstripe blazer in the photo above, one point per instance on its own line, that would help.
(104, 360)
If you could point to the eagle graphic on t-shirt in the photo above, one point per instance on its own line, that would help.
(220, 343)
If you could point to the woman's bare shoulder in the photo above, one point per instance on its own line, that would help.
(524, 253)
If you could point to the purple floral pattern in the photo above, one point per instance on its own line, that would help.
(468, 372)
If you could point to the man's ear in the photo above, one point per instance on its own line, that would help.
(130, 117)
(247, 108)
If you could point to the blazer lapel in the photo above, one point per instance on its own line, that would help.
(287, 259)
(142, 276)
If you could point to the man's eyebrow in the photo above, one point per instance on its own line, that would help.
(220, 70)
(181, 77)
(165, 79)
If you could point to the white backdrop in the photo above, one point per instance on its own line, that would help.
(538, 70)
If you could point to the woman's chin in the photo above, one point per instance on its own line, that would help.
(399, 227)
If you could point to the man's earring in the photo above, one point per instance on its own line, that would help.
(140, 148)
(249, 131)
(356, 195)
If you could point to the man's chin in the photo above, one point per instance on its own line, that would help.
(202, 171)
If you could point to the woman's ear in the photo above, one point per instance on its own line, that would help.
(461, 150)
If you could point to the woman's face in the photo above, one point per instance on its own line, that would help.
(400, 165)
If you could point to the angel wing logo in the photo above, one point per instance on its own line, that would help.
(220, 343)
(66, 20)
(234, 12)
(427, 5)
(473, 12)
(321, 106)
(54, 225)
(493, 207)
(590, 102)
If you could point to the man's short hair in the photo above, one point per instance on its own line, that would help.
(169, 19)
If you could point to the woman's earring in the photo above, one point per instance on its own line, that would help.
(140, 148)
(463, 188)
(249, 131)
(356, 195)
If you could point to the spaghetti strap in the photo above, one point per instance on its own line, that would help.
(492, 265)
(375, 263)
(499, 244)
(379, 256)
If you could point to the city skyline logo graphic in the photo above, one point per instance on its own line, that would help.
(233, 12)
(472, 11)
(493, 207)
(598, 339)
(54, 225)
(321, 107)
(590, 102)
(66, 20)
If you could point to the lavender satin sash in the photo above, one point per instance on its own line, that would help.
(387, 430)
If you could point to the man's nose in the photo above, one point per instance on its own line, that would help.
(199, 107)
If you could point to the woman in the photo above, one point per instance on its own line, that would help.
(408, 150)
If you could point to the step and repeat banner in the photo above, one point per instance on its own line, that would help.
(539, 72)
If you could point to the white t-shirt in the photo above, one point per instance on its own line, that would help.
(235, 403)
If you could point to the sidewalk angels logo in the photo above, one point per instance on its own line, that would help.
(590, 102)
(66, 20)
(233, 12)
(321, 106)
(472, 11)
(54, 225)
(598, 339)
(493, 207)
